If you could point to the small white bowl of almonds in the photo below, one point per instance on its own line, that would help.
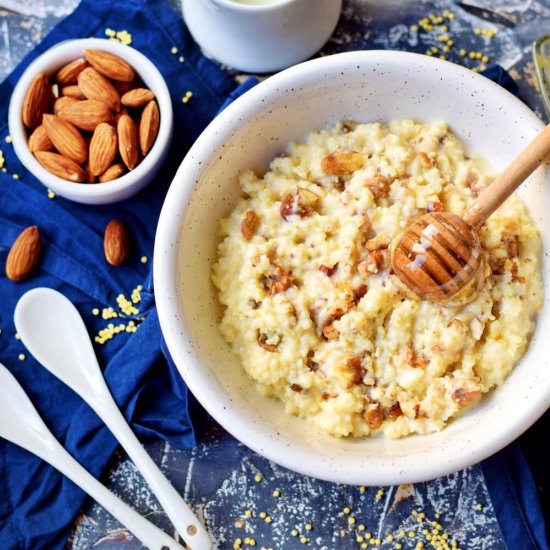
(92, 120)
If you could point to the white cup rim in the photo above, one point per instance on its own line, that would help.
(238, 6)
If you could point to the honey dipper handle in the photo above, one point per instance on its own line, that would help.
(508, 180)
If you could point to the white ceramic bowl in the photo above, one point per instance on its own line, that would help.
(364, 86)
(131, 182)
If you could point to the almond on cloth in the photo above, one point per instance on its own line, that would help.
(69, 73)
(86, 114)
(38, 100)
(117, 242)
(128, 141)
(137, 97)
(103, 148)
(96, 86)
(109, 65)
(149, 126)
(112, 173)
(24, 255)
(66, 138)
(39, 140)
(61, 166)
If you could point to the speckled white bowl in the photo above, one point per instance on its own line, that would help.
(131, 182)
(364, 86)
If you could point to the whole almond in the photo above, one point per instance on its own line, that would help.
(112, 173)
(24, 255)
(96, 86)
(117, 242)
(148, 126)
(39, 140)
(109, 65)
(69, 73)
(137, 97)
(103, 148)
(73, 91)
(128, 141)
(66, 138)
(38, 100)
(60, 166)
(86, 114)
(61, 102)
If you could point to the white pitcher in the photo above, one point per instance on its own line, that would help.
(260, 36)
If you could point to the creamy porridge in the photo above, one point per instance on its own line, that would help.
(314, 313)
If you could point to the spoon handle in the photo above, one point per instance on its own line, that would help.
(508, 180)
(21, 424)
(181, 516)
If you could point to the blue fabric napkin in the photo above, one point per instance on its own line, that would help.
(38, 505)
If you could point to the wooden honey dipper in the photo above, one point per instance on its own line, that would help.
(439, 255)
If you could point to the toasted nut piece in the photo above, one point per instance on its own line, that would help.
(262, 339)
(109, 65)
(328, 271)
(380, 242)
(117, 242)
(426, 160)
(310, 363)
(374, 262)
(395, 411)
(464, 397)
(112, 173)
(149, 126)
(414, 360)
(69, 73)
(277, 280)
(355, 369)
(342, 162)
(38, 100)
(511, 242)
(249, 224)
(66, 138)
(60, 166)
(103, 148)
(73, 91)
(39, 140)
(434, 206)
(61, 102)
(86, 114)
(24, 255)
(374, 417)
(95, 86)
(330, 332)
(128, 141)
(359, 292)
(379, 186)
(302, 204)
(137, 97)
(475, 185)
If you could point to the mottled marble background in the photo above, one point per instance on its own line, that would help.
(240, 495)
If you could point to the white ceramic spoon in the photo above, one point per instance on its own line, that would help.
(21, 424)
(53, 331)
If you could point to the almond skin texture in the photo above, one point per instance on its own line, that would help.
(96, 86)
(69, 73)
(86, 114)
(61, 102)
(103, 148)
(39, 140)
(128, 141)
(72, 91)
(109, 65)
(117, 242)
(24, 255)
(66, 138)
(137, 97)
(112, 173)
(149, 126)
(61, 166)
(38, 100)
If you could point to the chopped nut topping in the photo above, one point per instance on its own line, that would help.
(374, 262)
(253, 304)
(426, 160)
(375, 417)
(277, 280)
(330, 332)
(464, 397)
(328, 271)
(310, 363)
(296, 387)
(302, 204)
(378, 243)
(347, 126)
(515, 276)
(379, 186)
(342, 162)
(434, 206)
(395, 411)
(511, 242)
(356, 370)
(249, 224)
(359, 292)
(414, 360)
(476, 187)
(262, 341)
(366, 226)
